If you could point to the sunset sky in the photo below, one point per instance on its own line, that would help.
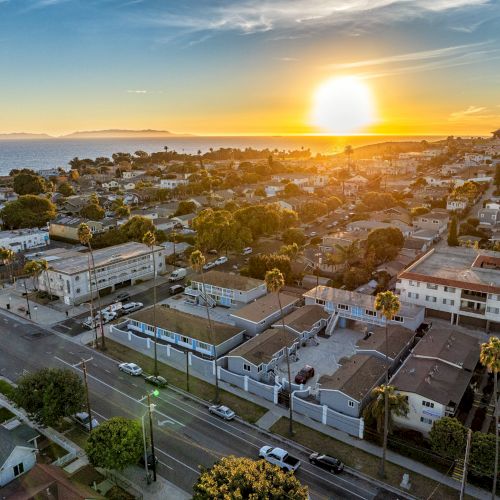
(251, 67)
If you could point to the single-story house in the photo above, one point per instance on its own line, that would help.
(185, 330)
(260, 314)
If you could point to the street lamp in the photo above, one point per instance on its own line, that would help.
(36, 312)
(151, 406)
(148, 477)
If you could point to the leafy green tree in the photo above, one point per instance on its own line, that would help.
(185, 207)
(355, 277)
(482, 454)
(92, 211)
(265, 219)
(234, 478)
(122, 211)
(453, 233)
(7, 256)
(66, 189)
(27, 182)
(415, 212)
(312, 209)
(397, 405)
(28, 211)
(374, 201)
(115, 444)
(50, 394)
(291, 190)
(260, 191)
(136, 227)
(333, 203)
(384, 244)
(258, 265)
(291, 251)
(294, 235)
(447, 437)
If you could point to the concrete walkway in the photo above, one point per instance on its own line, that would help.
(269, 419)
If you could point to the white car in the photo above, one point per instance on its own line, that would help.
(209, 265)
(130, 368)
(83, 419)
(222, 411)
(220, 260)
(247, 251)
(131, 307)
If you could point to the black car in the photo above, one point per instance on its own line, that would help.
(158, 381)
(150, 460)
(326, 462)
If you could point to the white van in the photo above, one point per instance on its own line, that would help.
(178, 274)
(247, 250)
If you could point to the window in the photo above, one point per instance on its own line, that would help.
(202, 345)
(342, 307)
(246, 367)
(370, 313)
(18, 469)
(450, 289)
(77, 290)
(260, 367)
(430, 298)
(150, 328)
(399, 319)
(320, 302)
(413, 295)
(428, 404)
(185, 340)
(351, 404)
(426, 420)
(493, 310)
(77, 278)
(431, 286)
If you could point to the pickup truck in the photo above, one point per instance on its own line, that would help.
(280, 458)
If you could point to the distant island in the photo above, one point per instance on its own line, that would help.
(95, 134)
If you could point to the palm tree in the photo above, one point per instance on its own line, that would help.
(32, 268)
(490, 357)
(197, 260)
(149, 239)
(7, 256)
(348, 152)
(85, 237)
(398, 405)
(349, 254)
(388, 305)
(275, 282)
(44, 268)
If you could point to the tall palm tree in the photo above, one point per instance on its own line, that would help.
(398, 405)
(149, 239)
(388, 305)
(275, 282)
(490, 357)
(32, 268)
(197, 260)
(7, 255)
(349, 254)
(85, 237)
(44, 268)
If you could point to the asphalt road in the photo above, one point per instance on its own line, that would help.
(186, 436)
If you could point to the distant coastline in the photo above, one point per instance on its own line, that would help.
(94, 134)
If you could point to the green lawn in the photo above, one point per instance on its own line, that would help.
(245, 409)
(5, 415)
(78, 436)
(6, 389)
(422, 486)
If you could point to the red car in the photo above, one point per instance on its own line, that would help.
(304, 375)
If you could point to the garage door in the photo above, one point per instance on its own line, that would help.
(432, 313)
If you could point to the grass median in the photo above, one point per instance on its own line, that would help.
(355, 458)
(247, 410)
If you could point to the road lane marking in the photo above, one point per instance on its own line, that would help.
(197, 472)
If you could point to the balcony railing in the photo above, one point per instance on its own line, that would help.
(472, 296)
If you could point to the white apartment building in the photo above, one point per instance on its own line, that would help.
(454, 204)
(172, 183)
(24, 239)
(457, 284)
(117, 265)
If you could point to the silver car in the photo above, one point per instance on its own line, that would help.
(222, 411)
(130, 368)
(83, 419)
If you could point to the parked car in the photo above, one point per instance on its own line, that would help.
(313, 234)
(91, 323)
(280, 458)
(304, 374)
(247, 250)
(213, 252)
(158, 381)
(131, 307)
(222, 411)
(130, 368)
(178, 274)
(221, 260)
(83, 419)
(174, 290)
(326, 462)
(209, 265)
(122, 297)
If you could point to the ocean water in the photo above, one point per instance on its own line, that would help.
(49, 153)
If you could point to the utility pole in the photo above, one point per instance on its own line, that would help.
(84, 362)
(187, 371)
(466, 462)
(151, 436)
(27, 299)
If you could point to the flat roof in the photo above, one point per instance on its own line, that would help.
(186, 324)
(105, 256)
(397, 338)
(263, 347)
(227, 280)
(304, 318)
(450, 345)
(263, 307)
(356, 377)
(432, 379)
(454, 267)
(338, 296)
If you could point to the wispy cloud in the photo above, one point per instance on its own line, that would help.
(287, 59)
(251, 16)
(471, 110)
(137, 91)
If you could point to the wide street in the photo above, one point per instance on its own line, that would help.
(186, 436)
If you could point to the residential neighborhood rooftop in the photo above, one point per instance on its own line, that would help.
(228, 280)
(263, 347)
(265, 306)
(304, 318)
(398, 338)
(183, 323)
(356, 376)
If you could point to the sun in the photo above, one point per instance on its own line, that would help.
(343, 105)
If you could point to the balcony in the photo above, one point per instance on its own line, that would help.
(472, 307)
(475, 296)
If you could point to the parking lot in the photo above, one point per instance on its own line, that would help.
(325, 356)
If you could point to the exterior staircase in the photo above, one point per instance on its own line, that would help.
(332, 323)
(458, 470)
